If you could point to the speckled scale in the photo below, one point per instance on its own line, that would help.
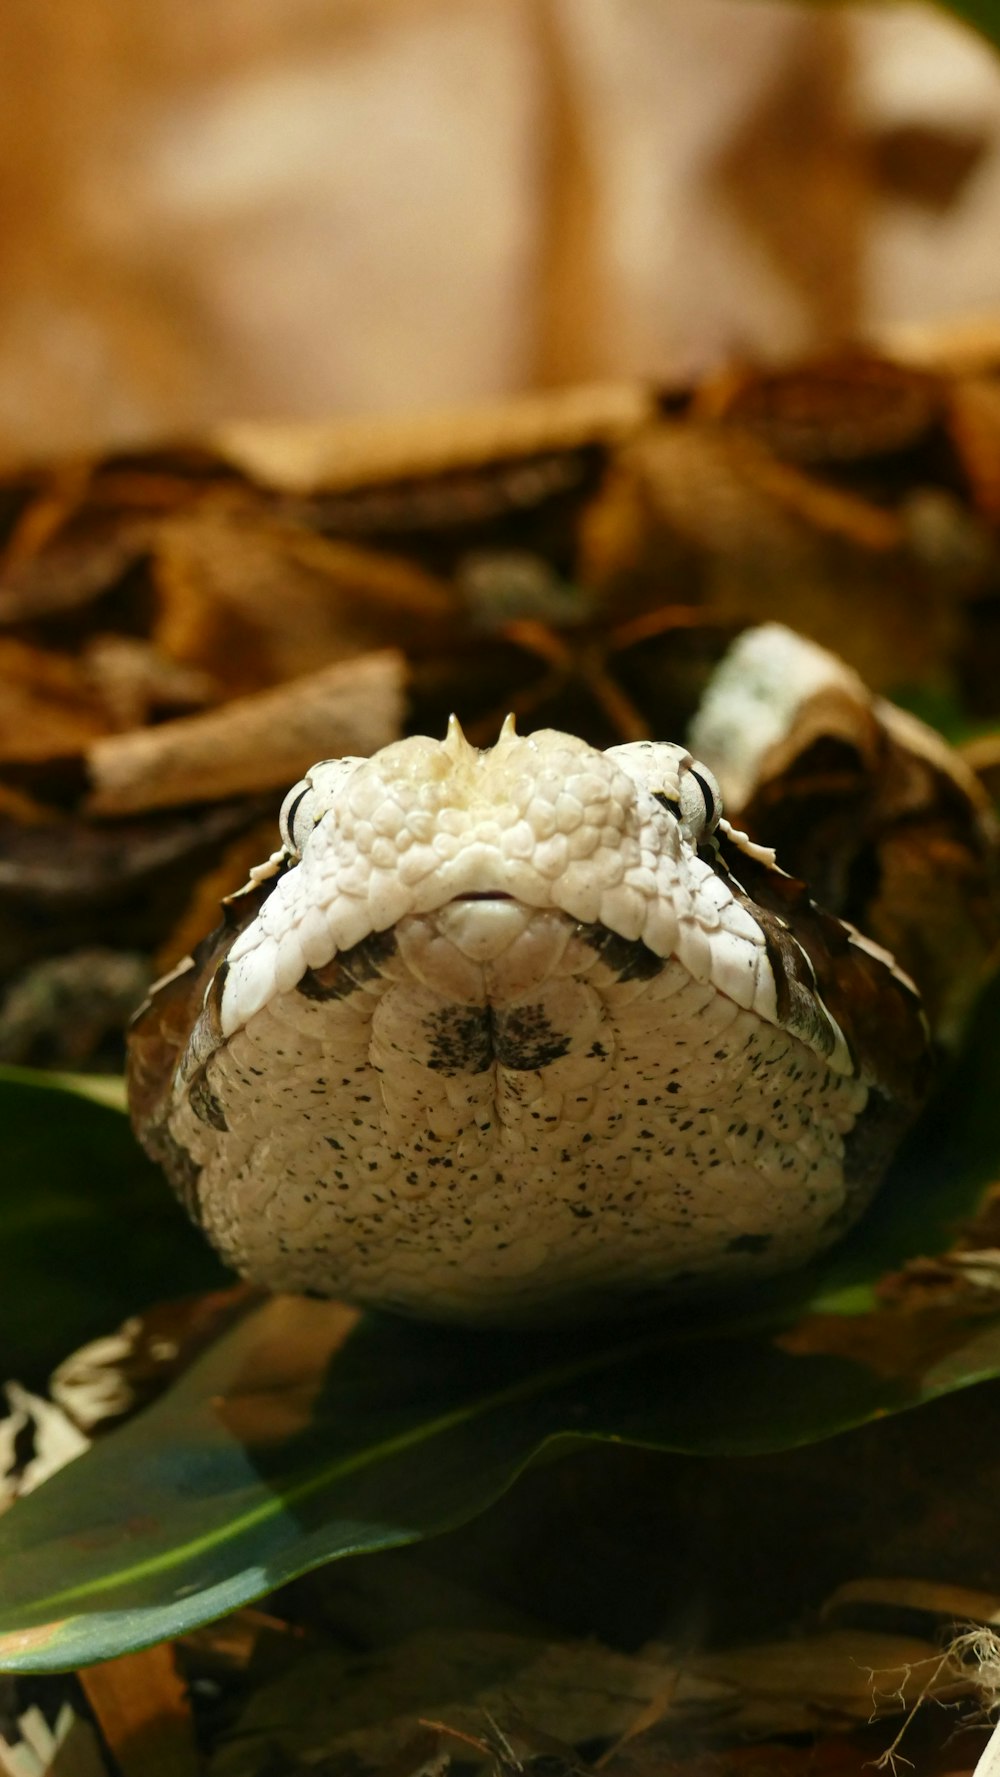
(504, 1036)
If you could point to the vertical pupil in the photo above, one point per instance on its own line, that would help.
(290, 816)
(707, 795)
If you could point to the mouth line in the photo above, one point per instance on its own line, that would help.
(485, 895)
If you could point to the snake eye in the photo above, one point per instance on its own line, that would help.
(296, 817)
(701, 801)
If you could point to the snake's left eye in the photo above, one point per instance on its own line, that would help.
(680, 784)
(297, 817)
(701, 801)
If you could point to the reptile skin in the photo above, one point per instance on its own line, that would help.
(520, 1034)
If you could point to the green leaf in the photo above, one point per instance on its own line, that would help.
(89, 1231)
(982, 15)
(246, 1475)
(310, 1432)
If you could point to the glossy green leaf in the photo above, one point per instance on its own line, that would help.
(89, 1232)
(242, 1477)
(309, 1432)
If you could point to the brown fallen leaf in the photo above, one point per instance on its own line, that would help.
(260, 742)
(974, 425)
(134, 681)
(253, 597)
(942, 1604)
(922, 1350)
(334, 1706)
(353, 453)
(837, 409)
(67, 884)
(109, 1378)
(48, 706)
(889, 827)
(273, 1396)
(710, 514)
(142, 1709)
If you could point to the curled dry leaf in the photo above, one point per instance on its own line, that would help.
(748, 535)
(353, 453)
(839, 409)
(889, 827)
(255, 743)
(37, 1437)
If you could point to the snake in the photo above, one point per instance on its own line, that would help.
(523, 1033)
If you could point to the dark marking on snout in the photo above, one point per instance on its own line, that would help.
(630, 958)
(470, 1039)
(460, 1040)
(351, 969)
(523, 1039)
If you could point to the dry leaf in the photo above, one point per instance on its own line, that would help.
(331, 1706)
(261, 742)
(142, 1708)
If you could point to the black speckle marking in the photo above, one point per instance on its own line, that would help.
(628, 957)
(350, 970)
(460, 1040)
(523, 1039)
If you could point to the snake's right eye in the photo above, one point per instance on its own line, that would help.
(296, 818)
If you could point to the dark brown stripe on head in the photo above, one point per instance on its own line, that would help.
(205, 1103)
(815, 958)
(348, 971)
(796, 994)
(212, 1009)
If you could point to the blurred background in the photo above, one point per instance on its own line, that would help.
(302, 207)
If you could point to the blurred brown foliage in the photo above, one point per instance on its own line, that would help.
(303, 208)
